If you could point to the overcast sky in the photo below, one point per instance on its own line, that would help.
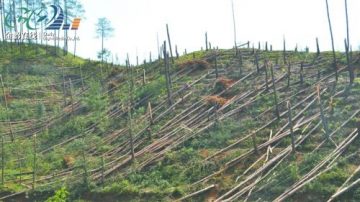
(137, 23)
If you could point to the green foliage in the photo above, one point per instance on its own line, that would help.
(326, 184)
(122, 187)
(61, 195)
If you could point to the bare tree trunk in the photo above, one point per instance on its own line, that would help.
(284, 52)
(291, 127)
(130, 111)
(75, 43)
(277, 112)
(66, 31)
(167, 76)
(170, 48)
(34, 162)
(234, 24)
(2, 20)
(347, 46)
(206, 41)
(317, 47)
(332, 40)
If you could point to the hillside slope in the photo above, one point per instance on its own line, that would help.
(225, 134)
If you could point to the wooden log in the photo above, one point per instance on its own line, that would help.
(338, 191)
(197, 193)
(345, 189)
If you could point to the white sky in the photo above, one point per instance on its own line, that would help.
(137, 23)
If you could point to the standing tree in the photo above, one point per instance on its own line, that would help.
(347, 45)
(2, 20)
(103, 30)
(75, 9)
(332, 39)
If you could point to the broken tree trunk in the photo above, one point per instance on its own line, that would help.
(349, 66)
(71, 97)
(288, 74)
(240, 63)
(144, 77)
(257, 62)
(291, 127)
(206, 42)
(322, 114)
(317, 47)
(176, 52)
(277, 113)
(266, 75)
(216, 66)
(284, 52)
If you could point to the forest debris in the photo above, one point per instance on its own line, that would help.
(223, 83)
(195, 65)
(68, 161)
(215, 100)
